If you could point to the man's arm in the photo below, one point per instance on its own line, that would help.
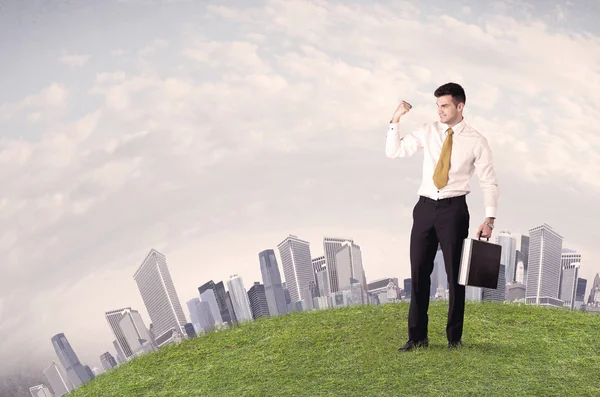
(396, 146)
(484, 168)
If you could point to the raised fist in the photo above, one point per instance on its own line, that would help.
(401, 110)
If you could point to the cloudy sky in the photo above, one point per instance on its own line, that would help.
(211, 131)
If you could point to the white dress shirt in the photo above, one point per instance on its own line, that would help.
(470, 153)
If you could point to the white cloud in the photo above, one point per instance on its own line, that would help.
(560, 13)
(74, 60)
(235, 55)
(52, 98)
(153, 47)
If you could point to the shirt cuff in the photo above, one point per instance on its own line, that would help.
(490, 212)
(393, 128)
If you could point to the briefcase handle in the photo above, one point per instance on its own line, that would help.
(479, 237)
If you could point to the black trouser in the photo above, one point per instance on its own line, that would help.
(445, 221)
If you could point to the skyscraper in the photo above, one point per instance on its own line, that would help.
(221, 297)
(522, 255)
(438, 276)
(498, 294)
(297, 266)
(69, 360)
(206, 315)
(58, 379)
(192, 305)
(89, 371)
(271, 277)
(520, 273)
(159, 295)
(135, 331)
(239, 298)
(120, 357)
(508, 255)
(331, 246)
(544, 268)
(594, 291)
(407, 287)
(108, 361)
(580, 293)
(209, 308)
(348, 260)
(258, 301)
(568, 283)
(130, 320)
(321, 275)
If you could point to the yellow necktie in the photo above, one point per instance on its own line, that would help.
(440, 175)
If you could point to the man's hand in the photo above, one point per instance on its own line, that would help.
(484, 230)
(400, 111)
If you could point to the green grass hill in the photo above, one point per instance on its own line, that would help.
(509, 350)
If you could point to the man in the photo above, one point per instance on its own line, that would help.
(453, 150)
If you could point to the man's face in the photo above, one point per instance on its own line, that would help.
(447, 111)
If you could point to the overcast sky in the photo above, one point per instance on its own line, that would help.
(210, 132)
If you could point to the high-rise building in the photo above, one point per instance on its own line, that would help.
(594, 298)
(206, 315)
(135, 331)
(192, 305)
(58, 379)
(69, 360)
(239, 298)
(522, 255)
(190, 330)
(473, 293)
(120, 354)
(348, 260)
(581, 287)
(271, 277)
(229, 303)
(258, 300)
(508, 254)
(209, 308)
(439, 277)
(498, 294)
(407, 288)
(297, 266)
(159, 295)
(129, 329)
(108, 361)
(568, 279)
(321, 275)
(222, 300)
(515, 292)
(520, 273)
(544, 268)
(89, 371)
(40, 391)
(331, 246)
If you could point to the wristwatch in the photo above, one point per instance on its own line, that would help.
(491, 225)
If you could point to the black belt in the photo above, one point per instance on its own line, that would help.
(447, 200)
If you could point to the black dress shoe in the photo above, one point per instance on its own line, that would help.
(411, 344)
(454, 345)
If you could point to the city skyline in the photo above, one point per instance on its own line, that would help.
(235, 284)
(111, 148)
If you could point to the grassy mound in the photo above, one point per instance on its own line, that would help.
(509, 350)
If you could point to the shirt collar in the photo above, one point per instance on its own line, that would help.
(458, 128)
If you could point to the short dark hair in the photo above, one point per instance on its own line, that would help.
(453, 89)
